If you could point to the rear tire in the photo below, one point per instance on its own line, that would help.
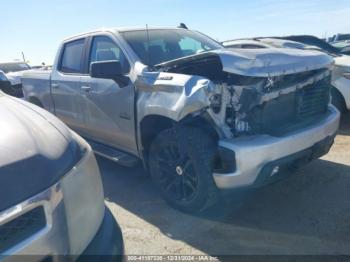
(181, 165)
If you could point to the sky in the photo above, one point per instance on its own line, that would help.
(36, 27)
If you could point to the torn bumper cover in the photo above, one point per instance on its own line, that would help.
(256, 154)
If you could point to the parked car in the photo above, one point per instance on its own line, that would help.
(341, 72)
(257, 43)
(343, 47)
(314, 41)
(305, 42)
(200, 117)
(51, 193)
(340, 38)
(10, 77)
(42, 67)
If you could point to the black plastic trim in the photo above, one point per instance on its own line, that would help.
(21, 228)
(288, 165)
(226, 161)
(107, 244)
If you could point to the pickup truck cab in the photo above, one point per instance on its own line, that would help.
(200, 117)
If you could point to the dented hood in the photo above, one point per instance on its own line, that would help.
(36, 150)
(262, 62)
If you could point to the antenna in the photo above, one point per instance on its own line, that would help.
(148, 44)
(23, 57)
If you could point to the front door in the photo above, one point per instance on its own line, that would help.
(108, 106)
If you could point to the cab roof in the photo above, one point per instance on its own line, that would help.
(120, 30)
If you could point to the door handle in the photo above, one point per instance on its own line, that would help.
(55, 85)
(86, 88)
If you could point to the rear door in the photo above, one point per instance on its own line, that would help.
(109, 106)
(65, 84)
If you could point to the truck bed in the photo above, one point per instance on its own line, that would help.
(37, 88)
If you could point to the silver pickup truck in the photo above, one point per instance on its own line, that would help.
(200, 117)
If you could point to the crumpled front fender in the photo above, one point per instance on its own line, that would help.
(171, 95)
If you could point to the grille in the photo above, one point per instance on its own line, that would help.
(313, 100)
(281, 82)
(292, 111)
(21, 228)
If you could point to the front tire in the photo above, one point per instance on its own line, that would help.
(181, 165)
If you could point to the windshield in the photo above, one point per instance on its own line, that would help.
(161, 45)
(13, 67)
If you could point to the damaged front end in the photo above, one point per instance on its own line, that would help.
(246, 92)
(271, 105)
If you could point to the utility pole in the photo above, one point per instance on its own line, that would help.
(24, 59)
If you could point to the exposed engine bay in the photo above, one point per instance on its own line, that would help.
(269, 105)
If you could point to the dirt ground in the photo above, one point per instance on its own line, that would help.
(307, 213)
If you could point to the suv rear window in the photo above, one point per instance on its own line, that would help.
(71, 61)
(13, 67)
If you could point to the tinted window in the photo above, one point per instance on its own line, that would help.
(161, 45)
(105, 49)
(72, 57)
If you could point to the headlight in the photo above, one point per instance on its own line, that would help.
(83, 200)
(3, 76)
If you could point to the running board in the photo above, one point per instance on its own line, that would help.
(113, 154)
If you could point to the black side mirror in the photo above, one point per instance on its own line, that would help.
(109, 70)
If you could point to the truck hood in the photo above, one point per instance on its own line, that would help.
(261, 62)
(36, 150)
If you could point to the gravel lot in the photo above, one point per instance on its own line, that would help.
(307, 213)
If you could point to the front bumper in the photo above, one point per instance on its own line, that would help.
(255, 153)
(107, 244)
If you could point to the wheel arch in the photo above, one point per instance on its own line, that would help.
(337, 94)
(152, 125)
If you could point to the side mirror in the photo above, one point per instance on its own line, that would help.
(109, 70)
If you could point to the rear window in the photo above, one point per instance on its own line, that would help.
(71, 61)
(13, 67)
